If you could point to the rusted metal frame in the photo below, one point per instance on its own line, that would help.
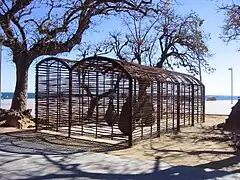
(184, 104)
(203, 103)
(55, 59)
(79, 97)
(167, 96)
(178, 107)
(58, 95)
(197, 104)
(88, 80)
(70, 103)
(104, 89)
(130, 137)
(173, 105)
(36, 97)
(151, 86)
(82, 91)
(97, 110)
(135, 102)
(192, 123)
(161, 101)
(100, 58)
(166, 106)
(189, 104)
(140, 110)
(112, 77)
(60, 90)
(47, 93)
(118, 105)
(135, 89)
(159, 112)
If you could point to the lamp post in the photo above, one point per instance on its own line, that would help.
(0, 76)
(231, 69)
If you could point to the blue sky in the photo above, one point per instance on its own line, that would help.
(225, 56)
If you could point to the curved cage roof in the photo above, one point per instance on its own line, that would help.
(138, 71)
(52, 60)
(132, 70)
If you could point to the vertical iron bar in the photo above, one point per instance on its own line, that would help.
(36, 97)
(70, 103)
(197, 103)
(47, 89)
(112, 81)
(97, 104)
(173, 105)
(203, 102)
(161, 102)
(130, 112)
(82, 90)
(104, 87)
(58, 95)
(189, 105)
(135, 89)
(141, 109)
(80, 97)
(178, 107)
(118, 106)
(1, 75)
(88, 79)
(184, 104)
(60, 90)
(158, 109)
(151, 86)
(166, 106)
(192, 105)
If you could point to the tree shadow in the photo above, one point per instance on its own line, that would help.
(156, 172)
(31, 142)
(55, 163)
(230, 161)
(233, 160)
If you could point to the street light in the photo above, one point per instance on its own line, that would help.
(0, 75)
(231, 69)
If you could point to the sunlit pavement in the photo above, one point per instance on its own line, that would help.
(21, 159)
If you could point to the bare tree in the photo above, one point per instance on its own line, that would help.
(86, 49)
(182, 42)
(136, 43)
(165, 40)
(231, 28)
(140, 41)
(33, 28)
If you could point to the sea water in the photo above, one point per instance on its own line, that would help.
(222, 105)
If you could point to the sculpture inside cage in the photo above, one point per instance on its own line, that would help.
(125, 120)
(148, 117)
(111, 117)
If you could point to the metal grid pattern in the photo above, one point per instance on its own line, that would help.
(115, 100)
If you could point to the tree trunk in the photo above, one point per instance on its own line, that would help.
(160, 63)
(19, 101)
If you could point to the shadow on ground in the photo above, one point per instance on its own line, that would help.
(64, 158)
(99, 170)
(31, 142)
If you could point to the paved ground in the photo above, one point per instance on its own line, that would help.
(22, 159)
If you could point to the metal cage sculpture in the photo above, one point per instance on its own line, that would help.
(115, 99)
